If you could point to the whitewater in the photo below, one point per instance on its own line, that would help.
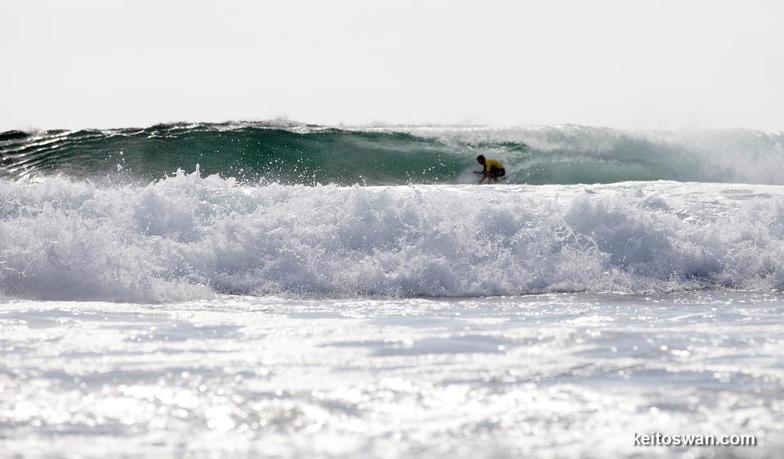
(278, 289)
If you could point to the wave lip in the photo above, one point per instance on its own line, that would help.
(189, 236)
(293, 153)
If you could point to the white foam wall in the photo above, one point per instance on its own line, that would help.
(189, 237)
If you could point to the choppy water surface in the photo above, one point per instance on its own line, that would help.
(560, 375)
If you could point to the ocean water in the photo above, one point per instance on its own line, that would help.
(287, 290)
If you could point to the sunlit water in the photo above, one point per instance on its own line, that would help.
(206, 315)
(562, 375)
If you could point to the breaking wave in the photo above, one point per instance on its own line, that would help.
(290, 153)
(188, 236)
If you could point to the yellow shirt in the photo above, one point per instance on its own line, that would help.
(491, 164)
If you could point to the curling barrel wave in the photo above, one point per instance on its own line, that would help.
(289, 153)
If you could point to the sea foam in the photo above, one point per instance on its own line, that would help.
(189, 236)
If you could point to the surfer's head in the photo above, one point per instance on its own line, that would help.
(480, 159)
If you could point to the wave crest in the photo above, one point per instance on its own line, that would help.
(290, 153)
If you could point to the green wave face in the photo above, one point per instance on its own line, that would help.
(303, 154)
(249, 154)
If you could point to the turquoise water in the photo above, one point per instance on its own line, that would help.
(306, 154)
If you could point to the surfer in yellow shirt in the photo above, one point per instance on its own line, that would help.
(492, 169)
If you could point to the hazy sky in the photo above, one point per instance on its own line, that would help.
(623, 63)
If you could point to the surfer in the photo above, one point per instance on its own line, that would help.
(492, 168)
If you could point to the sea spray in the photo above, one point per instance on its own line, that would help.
(189, 236)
